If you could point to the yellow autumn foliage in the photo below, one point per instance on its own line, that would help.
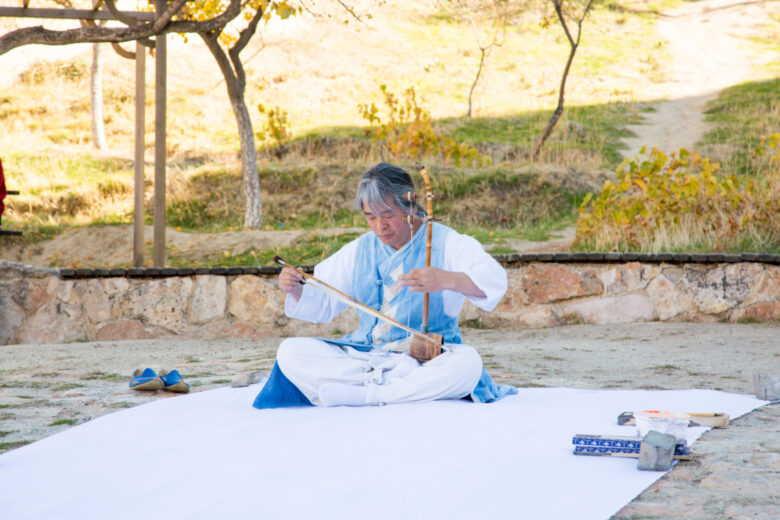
(408, 132)
(665, 203)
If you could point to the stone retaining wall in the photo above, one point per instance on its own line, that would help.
(39, 305)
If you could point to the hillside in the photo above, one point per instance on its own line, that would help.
(318, 70)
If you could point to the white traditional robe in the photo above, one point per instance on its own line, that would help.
(368, 270)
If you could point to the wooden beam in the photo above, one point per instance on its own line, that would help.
(70, 14)
(138, 199)
(160, 87)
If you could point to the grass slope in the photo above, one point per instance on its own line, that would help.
(318, 70)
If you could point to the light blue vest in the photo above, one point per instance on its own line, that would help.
(377, 267)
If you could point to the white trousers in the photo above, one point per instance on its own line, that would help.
(389, 377)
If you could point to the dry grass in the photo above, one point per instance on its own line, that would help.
(319, 70)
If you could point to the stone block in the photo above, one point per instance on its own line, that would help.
(209, 299)
(470, 311)
(614, 309)
(123, 329)
(767, 285)
(767, 387)
(94, 299)
(10, 319)
(248, 378)
(115, 286)
(545, 283)
(160, 303)
(759, 312)
(629, 277)
(223, 328)
(9, 269)
(257, 302)
(656, 451)
(716, 290)
(668, 300)
(536, 317)
(56, 322)
(31, 294)
(63, 290)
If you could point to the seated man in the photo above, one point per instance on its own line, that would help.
(385, 269)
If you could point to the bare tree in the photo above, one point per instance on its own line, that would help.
(499, 21)
(485, 17)
(96, 98)
(564, 16)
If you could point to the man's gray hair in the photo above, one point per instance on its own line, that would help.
(383, 187)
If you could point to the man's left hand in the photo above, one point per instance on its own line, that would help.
(425, 279)
(433, 279)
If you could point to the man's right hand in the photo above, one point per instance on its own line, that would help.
(290, 282)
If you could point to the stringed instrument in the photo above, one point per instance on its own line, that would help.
(419, 349)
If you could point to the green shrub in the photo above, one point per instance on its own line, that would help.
(408, 132)
(679, 202)
(275, 132)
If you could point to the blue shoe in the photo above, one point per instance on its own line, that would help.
(173, 382)
(147, 380)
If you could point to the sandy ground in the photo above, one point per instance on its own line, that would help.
(709, 49)
(45, 389)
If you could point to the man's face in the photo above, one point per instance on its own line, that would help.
(389, 225)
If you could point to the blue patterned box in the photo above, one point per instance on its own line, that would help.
(587, 444)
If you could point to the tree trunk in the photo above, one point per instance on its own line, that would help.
(482, 58)
(253, 212)
(96, 98)
(574, 43)
(548, 128)
(234, 82)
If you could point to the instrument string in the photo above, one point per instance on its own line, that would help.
(411, 246)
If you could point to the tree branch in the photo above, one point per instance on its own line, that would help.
(243, 39)
(119, 15)
(248, 31)
(562, 18)
(166, 16)
(40, 35)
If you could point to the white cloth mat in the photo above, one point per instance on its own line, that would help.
(211, 455)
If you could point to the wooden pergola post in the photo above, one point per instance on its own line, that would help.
(138, 185)
(160, 88)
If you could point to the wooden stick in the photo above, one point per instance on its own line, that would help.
(716, 420)
(428, 239)
(626, 455)
(352, 302)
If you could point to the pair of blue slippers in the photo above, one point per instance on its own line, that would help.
(149, 380)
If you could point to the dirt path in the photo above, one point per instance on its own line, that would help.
(709, 52)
